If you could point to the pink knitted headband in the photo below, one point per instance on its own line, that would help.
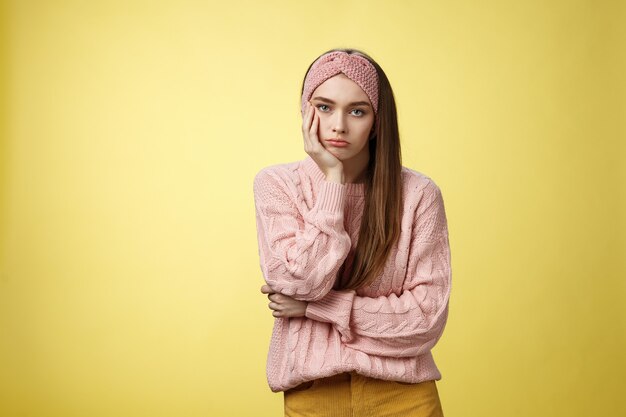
(357, 68)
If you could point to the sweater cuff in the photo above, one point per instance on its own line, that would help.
(331, 196)
(335, 307)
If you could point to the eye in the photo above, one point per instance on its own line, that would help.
(321, 105)
(362, 112)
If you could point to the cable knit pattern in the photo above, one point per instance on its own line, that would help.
(307, 228)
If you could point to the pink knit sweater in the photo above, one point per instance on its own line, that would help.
(307, 227)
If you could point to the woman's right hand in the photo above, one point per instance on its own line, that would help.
(327, 162)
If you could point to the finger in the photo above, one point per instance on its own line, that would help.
(305, 116)
(266, 289)
(313, 137)
(275, 306)
(307, 126)
(312, 125)
(315, 127)
(279, 297)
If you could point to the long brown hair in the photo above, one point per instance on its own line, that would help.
(380, 225)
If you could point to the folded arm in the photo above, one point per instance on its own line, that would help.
(408, 324)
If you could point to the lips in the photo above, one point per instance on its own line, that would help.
(337, 143)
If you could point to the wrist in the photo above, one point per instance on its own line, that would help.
(336, 176)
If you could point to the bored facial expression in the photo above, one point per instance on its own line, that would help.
(345, 113)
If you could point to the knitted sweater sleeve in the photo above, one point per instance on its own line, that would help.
(300, 250)
(409, 324)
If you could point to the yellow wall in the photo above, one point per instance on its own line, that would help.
(131, 132)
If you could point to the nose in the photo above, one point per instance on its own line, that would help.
(339, 123)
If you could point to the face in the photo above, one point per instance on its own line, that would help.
(341, 116)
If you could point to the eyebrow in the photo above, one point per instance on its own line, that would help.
(354, 103)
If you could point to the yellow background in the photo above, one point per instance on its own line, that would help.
(131, 133)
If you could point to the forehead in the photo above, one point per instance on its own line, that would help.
(340, 88)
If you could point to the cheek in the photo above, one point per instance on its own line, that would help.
(366, 126)
(323, 119)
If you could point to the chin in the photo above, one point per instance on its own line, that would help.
(339, 155)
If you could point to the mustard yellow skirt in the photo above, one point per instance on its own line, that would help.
(350, 394)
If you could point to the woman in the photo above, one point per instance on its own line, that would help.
(355, 254)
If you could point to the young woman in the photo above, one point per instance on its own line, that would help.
(354, 250)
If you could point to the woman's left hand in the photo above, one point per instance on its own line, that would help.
(283, 305)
